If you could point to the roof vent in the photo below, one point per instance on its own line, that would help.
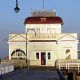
(43, 19)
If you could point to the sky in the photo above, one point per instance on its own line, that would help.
(11, 22)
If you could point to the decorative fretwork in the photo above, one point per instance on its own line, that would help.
(43, 13)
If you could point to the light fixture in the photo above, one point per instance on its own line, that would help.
(16, 9)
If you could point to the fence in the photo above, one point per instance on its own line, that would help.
(5, 68)
(68, 64)
(17, 63)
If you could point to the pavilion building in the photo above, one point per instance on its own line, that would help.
(43, 42)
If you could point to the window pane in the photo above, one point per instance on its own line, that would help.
(49, 55)
(19, 54)
(67, 51)
(37, 55)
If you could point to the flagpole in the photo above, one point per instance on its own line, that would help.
(43, 4)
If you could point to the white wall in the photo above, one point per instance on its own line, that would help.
(44, 28)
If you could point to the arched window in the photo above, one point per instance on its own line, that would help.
(19, 53)
(67, 51)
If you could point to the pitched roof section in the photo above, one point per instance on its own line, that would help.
(43, 20)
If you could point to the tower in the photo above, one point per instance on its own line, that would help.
(44, 22)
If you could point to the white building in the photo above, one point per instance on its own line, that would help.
(43, 42)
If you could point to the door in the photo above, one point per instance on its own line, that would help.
(43, 58)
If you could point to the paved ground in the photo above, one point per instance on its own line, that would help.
(26, 74)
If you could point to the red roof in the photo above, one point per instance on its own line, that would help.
(43, 20)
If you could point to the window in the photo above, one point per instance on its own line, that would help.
(43, 19)
(19, 54)
(67, 51)
(49, 55)
(37, 55)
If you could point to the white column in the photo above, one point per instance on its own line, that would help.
(9, 53)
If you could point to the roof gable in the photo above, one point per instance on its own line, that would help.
(17, 38)
(68, 37)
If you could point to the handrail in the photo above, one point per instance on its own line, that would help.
(68, 64)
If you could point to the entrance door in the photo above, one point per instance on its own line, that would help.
(43, 58)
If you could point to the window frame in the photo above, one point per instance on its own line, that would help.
(49, 55)
(37, 55)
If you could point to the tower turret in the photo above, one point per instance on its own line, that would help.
(44, 22)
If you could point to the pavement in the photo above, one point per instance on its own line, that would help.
(30, 74)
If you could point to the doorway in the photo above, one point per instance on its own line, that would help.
(43, 58)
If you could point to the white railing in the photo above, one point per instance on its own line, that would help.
(5, 68)
(42, 36)
(68, 64)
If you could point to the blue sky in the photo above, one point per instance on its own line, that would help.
(10, 22)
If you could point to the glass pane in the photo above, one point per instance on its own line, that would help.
(49, 56)
(37, 55)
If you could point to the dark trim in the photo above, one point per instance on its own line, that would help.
(17, 51)
(49, 20)
(43, 41)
